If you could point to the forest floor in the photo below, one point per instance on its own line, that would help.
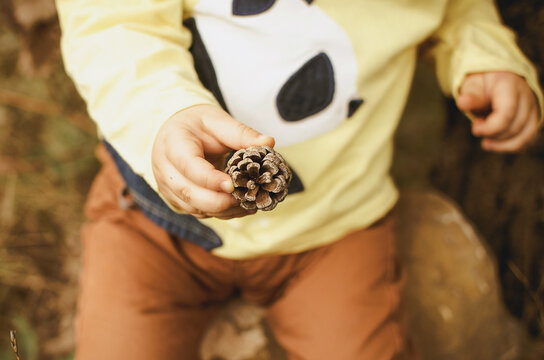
(46, 166)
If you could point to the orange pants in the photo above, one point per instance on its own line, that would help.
(147, 295)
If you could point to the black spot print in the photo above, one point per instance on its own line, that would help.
(353, 106)
(203, 64)
(296, 184)
(251, 7)
(308, 91)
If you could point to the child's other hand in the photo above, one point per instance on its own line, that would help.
(505, 110)
(183, 152)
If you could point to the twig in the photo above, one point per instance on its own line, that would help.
(13, 341)
(7, 203)
(541, 286)
(534, 295)
(10, 165)
(45, 108)
(28, 103)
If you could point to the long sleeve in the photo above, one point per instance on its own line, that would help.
(473, 39)
(130, 61)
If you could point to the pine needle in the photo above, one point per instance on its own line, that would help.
(534, 295)
(13, 341)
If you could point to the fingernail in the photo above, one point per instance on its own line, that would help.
(227, 186)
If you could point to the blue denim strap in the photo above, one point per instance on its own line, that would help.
(151, 204)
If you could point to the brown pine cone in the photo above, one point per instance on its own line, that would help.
(260, 176)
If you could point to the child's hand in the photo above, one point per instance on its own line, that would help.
(505, 110)
(183, 152)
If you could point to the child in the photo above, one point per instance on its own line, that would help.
(325, 81)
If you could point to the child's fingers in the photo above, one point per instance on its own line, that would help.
(516, 125)
(504, 107)
(175, 201)
(185, 177)
(187, 157)
(182, 191)
(202, 173)
(233, 133)
(524, 113)
(517, 142)
(504, 104)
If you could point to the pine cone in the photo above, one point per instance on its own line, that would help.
(261, 177)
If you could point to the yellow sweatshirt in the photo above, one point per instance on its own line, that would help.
(327, 78)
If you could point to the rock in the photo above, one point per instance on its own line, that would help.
(239, 332)
(453, 298)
